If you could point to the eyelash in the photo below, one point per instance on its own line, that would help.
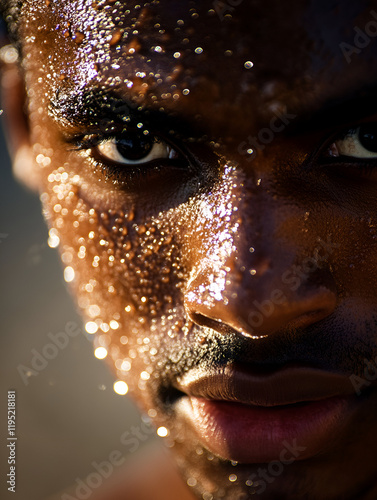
(87, 142)
(127, 174)
(116, 172)
(365, 167)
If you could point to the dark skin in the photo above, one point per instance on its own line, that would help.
(163, 248)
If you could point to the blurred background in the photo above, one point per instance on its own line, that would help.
(68, 414)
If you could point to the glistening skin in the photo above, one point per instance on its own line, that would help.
(131, 131)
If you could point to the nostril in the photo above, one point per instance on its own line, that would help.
(214, 324)
(260, 310)
(205, 321)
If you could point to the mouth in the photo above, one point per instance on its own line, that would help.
(255, 418)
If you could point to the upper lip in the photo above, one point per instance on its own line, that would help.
(293, 384)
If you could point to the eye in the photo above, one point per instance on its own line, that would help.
(360, 142)
(135, 161)
(134, 149)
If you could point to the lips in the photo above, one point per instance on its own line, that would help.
(248, 417)
(287, 386)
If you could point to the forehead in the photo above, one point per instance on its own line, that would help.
(257, 56)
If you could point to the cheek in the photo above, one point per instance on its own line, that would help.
(114, 260)
(125, 270)
(354, 264)
(129, 269)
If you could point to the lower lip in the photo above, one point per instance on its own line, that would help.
(251, 434)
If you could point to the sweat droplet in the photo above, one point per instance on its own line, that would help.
(91, 327)
(53, 240)
(120, 387)
(144, 375)
(100, 353)
(69, 274)
(162, 432)
(115, 38)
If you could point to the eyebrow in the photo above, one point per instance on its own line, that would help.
(95, 109)
(98, 108)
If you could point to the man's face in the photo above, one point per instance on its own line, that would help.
(210, 173)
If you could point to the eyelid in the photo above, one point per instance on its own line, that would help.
(90, 141)
(158, 150)
(85, 145)
(361, 167)
(316, 153)
(92, 138)
(97, 110)
(82, 142)
(349, 145)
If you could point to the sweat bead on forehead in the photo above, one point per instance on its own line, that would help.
(244, 241)
(186, 56)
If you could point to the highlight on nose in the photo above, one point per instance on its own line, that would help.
(259, 309)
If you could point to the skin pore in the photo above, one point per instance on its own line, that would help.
(178, 218)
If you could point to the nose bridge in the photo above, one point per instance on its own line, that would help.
(267, 281)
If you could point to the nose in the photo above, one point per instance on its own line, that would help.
(260, 300)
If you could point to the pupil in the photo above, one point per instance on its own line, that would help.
(368, 137)
(135, 148)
